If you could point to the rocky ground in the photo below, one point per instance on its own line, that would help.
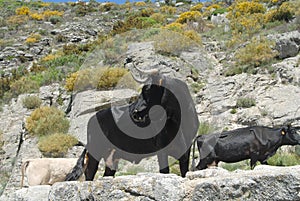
(276, 97)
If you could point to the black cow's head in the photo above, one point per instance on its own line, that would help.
(150, 96)
(290, 136)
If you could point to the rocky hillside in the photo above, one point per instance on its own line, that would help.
(241, 64)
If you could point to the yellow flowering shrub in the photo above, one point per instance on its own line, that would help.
(193, 35)
(50, 57)
(175, 26)
(36, 16)
(197, 7)
(101, 79)
(24, 10)
(189, 16)
(17, 20)
(140, 3)
(245, 7)
(284, 12)
(256, 53)
(33, 38)
(49, 13)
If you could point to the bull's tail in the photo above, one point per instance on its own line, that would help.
(193, 155)
(79, 168)
(23, 169)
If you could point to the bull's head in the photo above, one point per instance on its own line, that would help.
(290, 136)
(151, 95)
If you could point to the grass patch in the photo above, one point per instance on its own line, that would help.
(245, 102)
(242, 165)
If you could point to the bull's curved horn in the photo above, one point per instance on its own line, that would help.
(147, 72)
(139, 79)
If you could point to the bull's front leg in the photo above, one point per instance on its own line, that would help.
(163, 163)
(184, 163)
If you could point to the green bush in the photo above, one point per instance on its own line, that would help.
(55, 19)
(31, 102)
(245, 102)
(284, 159)
(56, 145)
(47, 120)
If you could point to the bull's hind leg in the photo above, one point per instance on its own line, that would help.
(109, 172)
(184, 163)
(163, 163)
(91, 168)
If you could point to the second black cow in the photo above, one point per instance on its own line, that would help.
(257, 143)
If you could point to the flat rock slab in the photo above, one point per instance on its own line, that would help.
(262, 183)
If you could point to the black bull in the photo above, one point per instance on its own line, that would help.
(256, 143)
(138, 130)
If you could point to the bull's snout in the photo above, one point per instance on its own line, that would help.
(136, 116)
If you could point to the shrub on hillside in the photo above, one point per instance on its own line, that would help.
(80, 80)
(283, 13)
(245, 102)
(197, 7)
(17, 20)
(23, 85)
(107, 6)
(56, 145)
(110, 77)
(24, 10)
(239, 8)
(36, 16)
(49, 13)
(47, 120)
(172, 43)
(168, 10)
(31, 102)
(33, 38)
(256, 53)
(140, 4)
(188, 16)
(100, 78)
